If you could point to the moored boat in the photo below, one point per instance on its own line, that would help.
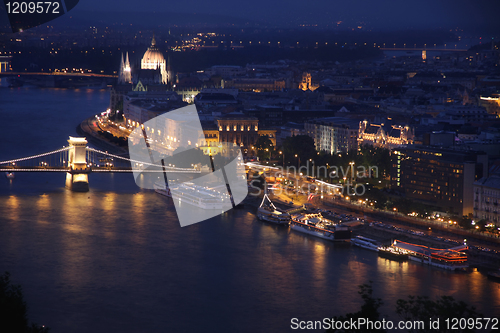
(268, 212)
(366, 243)
(192, 194)
(160, 188)
(392, 253)
(316, 225)
(10, 175)
(449, 259)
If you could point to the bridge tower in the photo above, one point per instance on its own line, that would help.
(77, 178)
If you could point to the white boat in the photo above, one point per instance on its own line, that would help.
(160, 188)
(268, 212)
(10, 175)
(316, 225)
(366, 243)
(199, 196)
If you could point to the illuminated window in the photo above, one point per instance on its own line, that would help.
(234, 127)
(242, 128)
(227, 128)
(256, 128)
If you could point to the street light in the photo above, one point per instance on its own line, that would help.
(352, 171)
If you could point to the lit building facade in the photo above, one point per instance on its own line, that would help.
(307, 82)
(242, 130)
(153, 59)
(125, 75)
(385, 136)
(487, 199)
(440, 177)
(333, 135)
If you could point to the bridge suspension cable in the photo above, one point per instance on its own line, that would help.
(135, 161)
(35, 156)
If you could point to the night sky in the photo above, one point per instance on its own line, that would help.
(377, 14)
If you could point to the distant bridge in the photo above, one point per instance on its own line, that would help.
(79, 74)
(78, 160)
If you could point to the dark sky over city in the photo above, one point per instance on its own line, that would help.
(377, 14)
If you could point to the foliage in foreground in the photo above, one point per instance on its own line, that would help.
(411, 309)
(13, 309)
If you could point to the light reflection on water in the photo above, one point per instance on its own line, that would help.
(135, 256)
(115, 258)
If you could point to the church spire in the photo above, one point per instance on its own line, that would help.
(127, 62)
(153, 41)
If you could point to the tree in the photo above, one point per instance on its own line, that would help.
(257, 181)
(186, 157)
(481, 225)
(13, 309)
(465, 222)
(425, 310)
(369, 310)
(300, 145)
(413, 309)
(264, 147)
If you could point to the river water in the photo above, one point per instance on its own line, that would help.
(115, 259)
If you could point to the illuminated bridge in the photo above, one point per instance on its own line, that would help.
(78, 161)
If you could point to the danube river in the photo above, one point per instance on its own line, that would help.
(116, 260)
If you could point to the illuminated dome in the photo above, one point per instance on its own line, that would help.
(153, 58)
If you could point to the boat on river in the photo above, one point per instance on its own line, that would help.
(366, 243)
(316, 225)
(268, 212)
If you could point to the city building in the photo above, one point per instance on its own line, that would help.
(242, 130)
(487, 199)
(268, 115)
(125, 74)
(385, 135)
(288, 130)
(307, 82)
(256, 84)
(334, 134)
(436, 176)
(141, 106)
(153, 60)
(226, 71)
